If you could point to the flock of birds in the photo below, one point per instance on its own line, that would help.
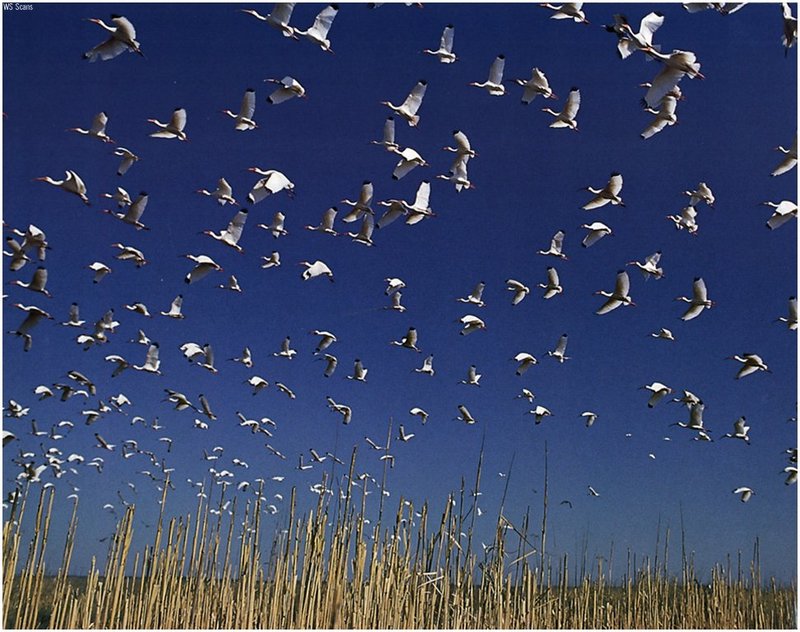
(30, 244)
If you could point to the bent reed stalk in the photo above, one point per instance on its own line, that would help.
(333, 569)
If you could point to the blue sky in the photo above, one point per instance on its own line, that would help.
(527, 186)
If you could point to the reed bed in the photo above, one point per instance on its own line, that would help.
(332, 568)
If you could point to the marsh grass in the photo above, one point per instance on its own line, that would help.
(332, 568)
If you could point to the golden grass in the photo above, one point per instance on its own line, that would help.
(332, 569)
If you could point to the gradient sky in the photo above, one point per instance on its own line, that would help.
(527, 186)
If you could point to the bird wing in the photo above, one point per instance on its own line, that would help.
(323, 21)
(664, 81)
(610, 305)
(649, 25)
(422, 200)
(388, 131)
(614, 185)
(557, 241)
(106, 50)
(236, 226)
(99, 123)
(248, 107)
(282, 12)
(446, 42)
(496, 70)
(403, 168)
(411, 338)
(367, 227)
(280, 95)
(396, 209)
(136, 209)
(572, 105)
(552, 277)
(561, 347)
(699, 291)
(623, 284)
(178, 120)
(595, 234)
(151, 360)
(414, 99)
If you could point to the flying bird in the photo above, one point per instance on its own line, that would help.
(128, 158)
(318, 31)
(494, 84)
(272, 182)
(609, 193)
(122, 38)
(233, 233)
(203, 265)
(409, 341)
(408, 109)
(97, 130)
(597, 230)
(659, 391)
(223, 194)
(751, 363)
(318, 268)
(556, 246)
(553, 285)
(559, 353)
(534, 86)
(520, 290)
(243, 120)
(476, 296)
(619, 296)
(789, 162)
(278, 18)
(784, 211)
(173, 129)
(445, 52)
(289, 88)
(698, 302)
(72, 183)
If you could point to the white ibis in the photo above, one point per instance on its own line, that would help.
(360, 206)
(589, 417)
(409, 341)
(664, 114)
(278, 18)
(272, 182)
(789, 162)
(658, 392)
(676, 64)
(172, 129)
(698, 302)
(419, 412)
(17, 253)
(233, 233)
(151, 362)
(566, 117)
(33, 316)
(745, 493)
(427, 366)
(445, 52)
(74, 317)
(473, 377)
(458, 174)
(318, 31)
(539, 413)
(687, 219)
(326, 224)
(474, 297)
(534, 86)
(246, 358)
(345, 411)
(702, 193)
(273, 261)
(120, 364)
(72, 183)
(243, 120)
(134, 213)
(597, 230)
(629, 42)
(567, 11)
(316, 269)
(494, 84)
(175, 308)
(519, 289)
(664, 334)
(525, 393)
(791, 319)
(326, 339)
(650, 266)
(393, 284)
(464, 415)
(396, 305)
(750, 364)
(129, 253)
(286, 350)
(38, 282)
(332, 362)
(470, 324)
(619, 296)
(609, 193)
(231, 284)
(128, 158)
(121, 196)
(553, 285)
(556, 246)
(409, 160)
(526, 361)
(404, 436)
(387, 142)
(122, 38)
(364, 235)
(289, 88)
(463, 149)
(97, 130)
(359, 371)
(560, 352)
(223, 194)
(784, 211)
(203, 265)
(138, 308)
(408, 109)
(740, 430)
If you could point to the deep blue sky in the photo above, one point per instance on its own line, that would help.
(527, 178)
